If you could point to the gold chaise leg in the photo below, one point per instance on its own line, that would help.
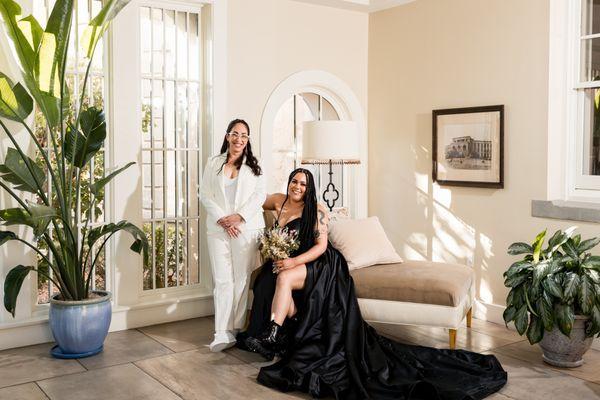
(469, 317)
(452, 334)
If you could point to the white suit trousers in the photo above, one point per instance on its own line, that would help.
(232, 261)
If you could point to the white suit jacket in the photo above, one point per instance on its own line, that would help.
(249, 196)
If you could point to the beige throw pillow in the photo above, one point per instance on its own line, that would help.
(363, 242)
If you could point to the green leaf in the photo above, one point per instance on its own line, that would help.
(32, 31)
(98, 25)
(517, 268)
(38, 220)
(564, 317)
(10, 11)
(537, 246)
(509, 314)
(52, 53)
(570, 286)
(593, 326)
(570, 248)
(15, 171)
(521, 320)
(90, 138)
(587, 245)
(6, 236)
(541, 270)
(535, 331)
(519, 248)
(556, 241)
(593, 275)
(140, 245)
(516, 297)
(515, 280)
(15, 102)
(26, 35)
(592, 262)
(12, 286)
(552, 287)
(531, 292)
(586, 295)
(545, 312)
(577, 240)
(97, 187)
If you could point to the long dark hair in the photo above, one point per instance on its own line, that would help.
(251, 161)
(308, 221)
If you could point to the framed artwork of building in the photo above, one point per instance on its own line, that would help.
(468, 146)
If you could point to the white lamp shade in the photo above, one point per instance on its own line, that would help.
(323, 141)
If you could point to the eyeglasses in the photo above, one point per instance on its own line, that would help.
(242, 136)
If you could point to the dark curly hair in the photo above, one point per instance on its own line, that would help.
(251, 160)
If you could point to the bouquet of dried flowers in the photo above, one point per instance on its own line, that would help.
(278, 243)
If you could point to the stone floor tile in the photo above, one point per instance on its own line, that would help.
(405, 334)
(27, 391)
(496, 330)
(120, 382)
(31, 363)
(438, 337)
(200, 374)
(590, 370)
(123, 347)
(528, 381)
(183, 335)
(498, 396)
(253, 359)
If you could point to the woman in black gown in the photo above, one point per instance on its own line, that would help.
(307, 313)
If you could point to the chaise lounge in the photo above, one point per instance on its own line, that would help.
(416, 293)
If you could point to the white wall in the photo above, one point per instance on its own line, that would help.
(271, 39)
(433, 54)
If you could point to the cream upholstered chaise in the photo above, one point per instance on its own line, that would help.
(416, 293)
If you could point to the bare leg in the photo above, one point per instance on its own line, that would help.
(283, 304)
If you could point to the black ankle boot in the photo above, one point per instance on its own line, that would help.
(269, 343)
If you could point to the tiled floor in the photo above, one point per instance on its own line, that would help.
(172, 361)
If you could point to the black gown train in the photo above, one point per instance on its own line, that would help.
(334, 352)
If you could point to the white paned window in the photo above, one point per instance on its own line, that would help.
(94, 95)
(584, 163)
(171, 84)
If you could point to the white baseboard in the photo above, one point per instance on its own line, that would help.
(37, 330)
(488, 312)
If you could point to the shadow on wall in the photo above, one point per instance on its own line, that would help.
(444, 236)
(15, 253)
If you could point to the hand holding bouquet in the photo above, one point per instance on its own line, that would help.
(278, 243)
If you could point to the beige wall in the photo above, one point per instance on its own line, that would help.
(269, 40)
(433, 54)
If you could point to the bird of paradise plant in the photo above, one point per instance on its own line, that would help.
(63, 238)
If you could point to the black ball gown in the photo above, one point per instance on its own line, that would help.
(333, 352)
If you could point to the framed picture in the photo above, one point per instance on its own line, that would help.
(468, 146)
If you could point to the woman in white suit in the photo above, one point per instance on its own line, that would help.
(232, 192)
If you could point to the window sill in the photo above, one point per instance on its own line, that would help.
(566, 210)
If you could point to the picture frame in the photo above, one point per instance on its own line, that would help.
(468, 147)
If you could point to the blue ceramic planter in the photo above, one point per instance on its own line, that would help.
(80, 327)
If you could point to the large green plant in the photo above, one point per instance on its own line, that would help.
(551, 285)
(73, 247)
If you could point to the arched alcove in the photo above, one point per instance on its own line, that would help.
(347, 106)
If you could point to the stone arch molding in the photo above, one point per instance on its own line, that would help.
(344, 101)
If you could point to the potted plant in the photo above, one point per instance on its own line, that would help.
(66, 245)
(554, 295)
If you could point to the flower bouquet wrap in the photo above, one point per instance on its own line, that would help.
(278, 243)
